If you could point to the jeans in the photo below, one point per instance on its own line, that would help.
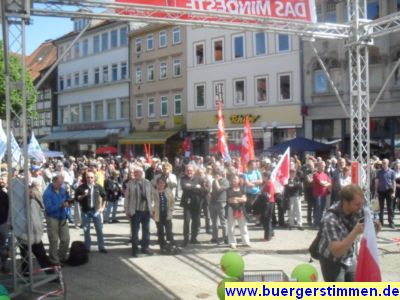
(295, 211)
(87, 216)
(111, 205)
(336, 272)
(140, 218)
(320, 203)
(167, 225)
(194, 216)
(382, 196)
(217, 210)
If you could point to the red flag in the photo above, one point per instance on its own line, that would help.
(280, 174)
(147, 151)
(222, 146)
(247, 151)
(367, 263)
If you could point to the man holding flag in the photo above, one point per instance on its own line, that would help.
(341, 226)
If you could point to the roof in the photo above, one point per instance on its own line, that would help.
(43, 57)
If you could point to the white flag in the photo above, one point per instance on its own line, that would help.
(34, 149)
(16, 153)
(280, 175)
(3, 143)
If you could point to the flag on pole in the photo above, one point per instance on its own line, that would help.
(222, 145)
(367, 263)
(34, 149)
(16, 153)
(3, 143)
(147, 151)
(247, 150)
(280, 174)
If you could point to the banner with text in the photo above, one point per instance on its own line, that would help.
(300, 10)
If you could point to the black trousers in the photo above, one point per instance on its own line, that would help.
(280, 205)
(190, 215)
(308, 196)
(40, 254)
(266, 220)
(386, 196)
(336, 272)
(164, 227)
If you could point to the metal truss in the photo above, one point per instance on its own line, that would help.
(156, 14)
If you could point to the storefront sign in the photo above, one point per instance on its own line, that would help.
(74, 127)
(302, 10)
(240, 119)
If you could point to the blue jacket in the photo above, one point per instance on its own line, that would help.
(53, 202)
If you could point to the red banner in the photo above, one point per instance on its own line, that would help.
(301, 10)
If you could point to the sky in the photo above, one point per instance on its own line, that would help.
(44, 28)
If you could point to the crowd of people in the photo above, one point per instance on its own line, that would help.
(79, 191)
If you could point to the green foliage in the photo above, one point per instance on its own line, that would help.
(15, 84)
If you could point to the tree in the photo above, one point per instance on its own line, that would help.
(15, 70)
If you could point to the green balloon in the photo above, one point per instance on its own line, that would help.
(221, 287)
(3, 291)
(4, 297)
(305, 273)
(232, 264)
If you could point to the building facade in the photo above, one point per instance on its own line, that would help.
(93, 87)
(158, 89)
(325, 120)
(255, 74)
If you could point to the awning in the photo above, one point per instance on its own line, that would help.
(92, 134)
(147, 137)
(58, 136)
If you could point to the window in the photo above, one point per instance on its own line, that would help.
(199, 54)
(105, 73)
(219, 91)
(64, 115)
(124, 71)
(138, 78)
(177, 105)
(150, 73)
(96, 44)
(139, 109)
(238, 47)
(138, 45)
(114, 72)
(284, 87)
(150, 42)
(164, 106)
(85, 47)
(331, 12)
(177, 67)
(163, 39)
(75, 113)
(373, 10)
(98, 111)
(261, 89)
(96, 75)
(176, 35)
(398, 5)
(69, 81)
(151, 108)
(320, 82)
(76, 50)
(283, 43)
(239, 91)
(163, 71)
(87, 112)
(318, 9)
(48, 118)
(114, 38)
(111, 110)
(85, 77)
(200, 95)
(260, 43)
(76, 79)
(104, 41)
(123, 36)
(218, 50)
(61, 84)
(124, 104)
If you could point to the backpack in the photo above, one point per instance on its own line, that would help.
(78, 254)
